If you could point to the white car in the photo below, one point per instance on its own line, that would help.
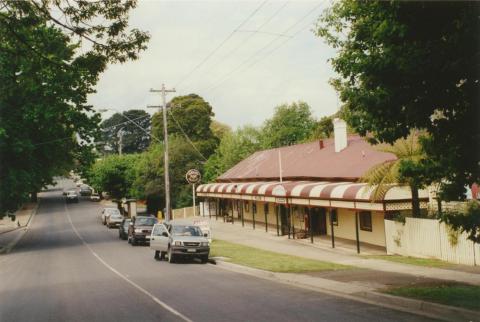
(106, 212)
(179, 240)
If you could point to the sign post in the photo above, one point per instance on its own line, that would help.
(193, 176)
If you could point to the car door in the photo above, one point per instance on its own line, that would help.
(158, 240)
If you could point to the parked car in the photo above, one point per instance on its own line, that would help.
(114, 220)
(85, 190)
(94, 197)
(72, 196)
(123, 229)
(108, 212)
(179, 240)
(140, 229)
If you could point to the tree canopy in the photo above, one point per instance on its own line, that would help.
(190, 117)
(399, 70)
(46, 73)
(291, 123)
(114, 174)
(135, 136)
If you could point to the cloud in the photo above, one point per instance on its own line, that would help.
(184, 33)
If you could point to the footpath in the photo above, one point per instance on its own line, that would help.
(364, 283)
(12, 230)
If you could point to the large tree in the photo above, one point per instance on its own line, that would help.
(134, 134)
(291, 124)
(45, 77)
(149, 181)
(412, 64)
(190, 117)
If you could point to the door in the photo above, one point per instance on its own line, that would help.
(157, 240)
(284, 220)
(319, 221)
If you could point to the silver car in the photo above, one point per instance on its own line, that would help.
(179, 240)
(114, 220)
(106, 212)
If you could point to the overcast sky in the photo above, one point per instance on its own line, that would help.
(273, 58)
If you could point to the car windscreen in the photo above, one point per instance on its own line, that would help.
(116, 216)
(145, 221)
(180, 230)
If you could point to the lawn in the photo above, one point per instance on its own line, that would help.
(465, 296)
(269, 261)
(428, 262)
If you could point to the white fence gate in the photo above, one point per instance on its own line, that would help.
(430, 238)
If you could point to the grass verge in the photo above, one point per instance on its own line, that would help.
(465, 296)
(428, 262)
(269, 261)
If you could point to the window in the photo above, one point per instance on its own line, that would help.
(265, 208)
(254, 207)
(366, 220)
(158, 230)
(247, 206)
(334, 217)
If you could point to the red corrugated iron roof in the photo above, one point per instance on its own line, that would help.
(309, 162)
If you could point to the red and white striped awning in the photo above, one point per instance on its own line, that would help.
(308, 193)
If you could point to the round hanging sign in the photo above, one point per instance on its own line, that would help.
(193, 176)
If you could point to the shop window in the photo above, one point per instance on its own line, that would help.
(247, 208)
(366, 220)
(254, 207)
(334, 217)
(265, 208)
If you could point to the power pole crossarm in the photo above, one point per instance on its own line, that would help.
(164, 92)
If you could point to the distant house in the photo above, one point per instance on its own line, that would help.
(311, 189)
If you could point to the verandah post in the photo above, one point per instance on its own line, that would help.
(331, 228)
(254, 210)
(277, 209)
(231, 204)
(357, 232)
(310, 231)
(266, 223)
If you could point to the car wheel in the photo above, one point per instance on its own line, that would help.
(162, 255)
(171, 257)
(133, 241)
(157, 255)
(204, 259)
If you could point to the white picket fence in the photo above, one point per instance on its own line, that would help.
(431, 239)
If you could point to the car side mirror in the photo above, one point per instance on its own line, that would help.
(164, 234)
(205, 235)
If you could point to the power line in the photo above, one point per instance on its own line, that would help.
(221, 44)
(187, 137)
(228, 75)
(69, 137)
(253, 33)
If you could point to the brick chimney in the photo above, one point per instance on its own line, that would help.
(340, 134)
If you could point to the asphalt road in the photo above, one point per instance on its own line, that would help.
(69, 267)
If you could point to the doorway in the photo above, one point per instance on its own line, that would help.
(319, 221)
(284, 220)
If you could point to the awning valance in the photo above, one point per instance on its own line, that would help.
(298, 192)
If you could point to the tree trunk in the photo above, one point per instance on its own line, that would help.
(33, 196)
(415, 202)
